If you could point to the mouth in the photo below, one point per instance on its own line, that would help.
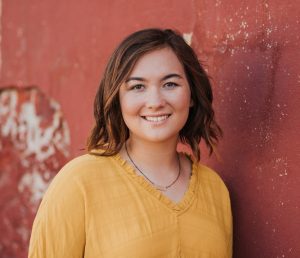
(156, 119)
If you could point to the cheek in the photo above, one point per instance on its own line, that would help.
(184, 101)
(129, 105)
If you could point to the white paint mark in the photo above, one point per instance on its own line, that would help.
(25, 130)
(8, 104)
(36, 139)
(188, 37)
(281, 165)
(244, 25)
(34, 182)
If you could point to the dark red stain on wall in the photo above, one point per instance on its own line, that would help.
(251, 51)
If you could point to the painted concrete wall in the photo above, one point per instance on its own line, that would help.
(251, 51)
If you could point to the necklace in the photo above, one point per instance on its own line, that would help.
(158, 187)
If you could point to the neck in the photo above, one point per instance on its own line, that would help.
(158, 160)
(162, 153)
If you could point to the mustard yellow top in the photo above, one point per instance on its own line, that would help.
(99, 207)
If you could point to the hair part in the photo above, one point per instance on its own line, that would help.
(110, 131)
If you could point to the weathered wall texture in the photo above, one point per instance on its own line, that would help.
(253, 54)
(34, 144)
(251, 51)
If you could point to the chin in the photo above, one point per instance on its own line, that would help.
(159, 138)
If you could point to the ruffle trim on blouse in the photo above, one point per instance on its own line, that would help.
(179, 207)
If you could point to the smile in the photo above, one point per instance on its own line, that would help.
(156, 118)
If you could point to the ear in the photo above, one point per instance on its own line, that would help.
(191, 103)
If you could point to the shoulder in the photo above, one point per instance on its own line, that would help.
(86, 161)
(208, 173)
(216, 199)
(85, 165)
(80, 171)
(209, 178)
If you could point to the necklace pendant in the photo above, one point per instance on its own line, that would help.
(160, 187)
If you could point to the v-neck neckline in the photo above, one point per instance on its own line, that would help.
(179, 206)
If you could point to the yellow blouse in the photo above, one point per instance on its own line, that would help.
(99, 207)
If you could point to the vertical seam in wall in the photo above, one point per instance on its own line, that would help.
(0, 38)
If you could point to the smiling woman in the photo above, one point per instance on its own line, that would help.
(155, 102)
(133, 194)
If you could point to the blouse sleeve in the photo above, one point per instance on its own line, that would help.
(230, 237)
(228, 222)
(59, 227)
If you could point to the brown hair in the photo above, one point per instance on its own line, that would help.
(110, 131)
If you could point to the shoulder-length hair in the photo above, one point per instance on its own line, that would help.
(110, 131)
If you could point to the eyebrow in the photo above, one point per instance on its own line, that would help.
(163, 79)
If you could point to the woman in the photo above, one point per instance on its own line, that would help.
(134, 195)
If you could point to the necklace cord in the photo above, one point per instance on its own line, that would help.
(159, 187)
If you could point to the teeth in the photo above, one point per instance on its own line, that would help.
(156, 118)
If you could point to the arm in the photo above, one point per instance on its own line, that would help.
(229, 225)
(59, 226)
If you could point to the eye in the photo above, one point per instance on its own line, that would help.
(137, 87)
(170, 85)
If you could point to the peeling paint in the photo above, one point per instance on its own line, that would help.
(34, 182)
(25, 130)
(34, 144)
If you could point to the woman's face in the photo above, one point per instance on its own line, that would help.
(155, 99)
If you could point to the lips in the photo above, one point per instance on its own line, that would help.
(158, 118)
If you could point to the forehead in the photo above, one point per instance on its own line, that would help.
(157, 63)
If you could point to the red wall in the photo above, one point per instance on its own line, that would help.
(251, 51)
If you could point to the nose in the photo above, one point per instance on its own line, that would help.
(155, 99)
